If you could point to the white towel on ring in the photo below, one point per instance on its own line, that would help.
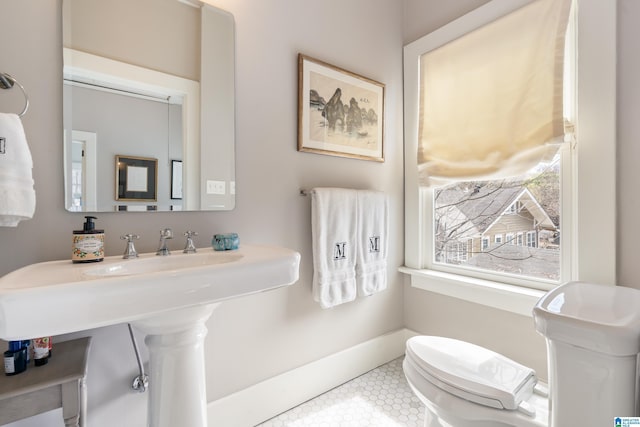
(333, 232)
(373, 233)
(17, 195)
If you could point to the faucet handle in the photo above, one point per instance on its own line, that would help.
(165, 234)
(130, 251)
(190, 247)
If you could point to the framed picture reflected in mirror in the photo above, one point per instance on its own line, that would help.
(176, 179)
(136, 178)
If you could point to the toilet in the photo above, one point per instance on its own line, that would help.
(593, 342)
(464, 385)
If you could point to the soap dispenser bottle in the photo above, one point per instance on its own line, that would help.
(88, 243)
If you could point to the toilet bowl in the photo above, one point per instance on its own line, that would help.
(464, 385)
(593, 342)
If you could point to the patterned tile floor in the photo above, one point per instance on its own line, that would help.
(380, 397)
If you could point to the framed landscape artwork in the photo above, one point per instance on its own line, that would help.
(339, 113)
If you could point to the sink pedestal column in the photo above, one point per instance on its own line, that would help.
(177, 388)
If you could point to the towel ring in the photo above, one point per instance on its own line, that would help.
(7, 82)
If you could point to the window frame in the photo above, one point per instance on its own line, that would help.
(592, 202)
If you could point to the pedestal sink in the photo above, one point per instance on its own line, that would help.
(168, 298)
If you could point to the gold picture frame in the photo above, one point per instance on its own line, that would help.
(340, 113)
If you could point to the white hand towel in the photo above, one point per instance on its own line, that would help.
(333, 232)
(17, 196)
(373, 233)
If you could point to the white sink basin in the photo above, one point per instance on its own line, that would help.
(53, 298)
(153, 264)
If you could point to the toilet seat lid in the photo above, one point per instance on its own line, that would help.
(471, 372)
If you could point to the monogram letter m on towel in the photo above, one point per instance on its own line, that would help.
(349, 231)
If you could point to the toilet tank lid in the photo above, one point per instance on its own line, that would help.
(472, 372)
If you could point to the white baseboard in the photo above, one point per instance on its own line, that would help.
(271, 397)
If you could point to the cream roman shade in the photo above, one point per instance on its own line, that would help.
(491, 101)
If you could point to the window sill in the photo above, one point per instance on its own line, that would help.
(511, 298)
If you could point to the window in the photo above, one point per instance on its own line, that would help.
(531, 239)
(456, 252)
(585, 170)
(525, 116)
(515, 208)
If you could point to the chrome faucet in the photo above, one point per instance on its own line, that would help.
(165, 235)
(130, 251)
(190, 248)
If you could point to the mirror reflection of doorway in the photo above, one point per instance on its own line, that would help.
(83, 184)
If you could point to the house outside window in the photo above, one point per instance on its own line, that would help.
(484, 212)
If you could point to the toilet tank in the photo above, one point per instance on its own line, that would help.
(593, 341)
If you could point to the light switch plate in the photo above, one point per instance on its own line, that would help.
(216, 187)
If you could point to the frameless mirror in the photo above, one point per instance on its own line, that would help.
(148, 106)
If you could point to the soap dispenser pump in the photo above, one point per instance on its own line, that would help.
(88, 243)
